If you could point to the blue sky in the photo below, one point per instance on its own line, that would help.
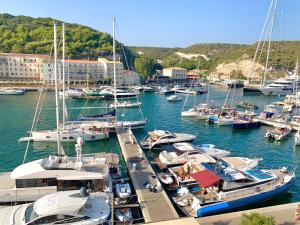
(166, 23)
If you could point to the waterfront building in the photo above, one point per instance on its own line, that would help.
(16, 68)
(175, 73)
(78, 72)
(21, 68)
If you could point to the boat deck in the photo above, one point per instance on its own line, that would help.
(9, 194)
(275, 123)
(155, 206)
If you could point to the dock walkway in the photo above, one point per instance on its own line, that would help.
(157, 206)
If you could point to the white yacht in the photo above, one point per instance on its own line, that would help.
(65, 207)
(70, 134)
(282, 86)
(160, 137)
(11, 91)
(31, 180)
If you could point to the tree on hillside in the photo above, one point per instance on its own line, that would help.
(257, 219)
(145, 66)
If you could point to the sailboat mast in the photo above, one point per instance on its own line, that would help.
(68, 74)
(56, 91)
(63, 72)
(114, 63)
(269, 45)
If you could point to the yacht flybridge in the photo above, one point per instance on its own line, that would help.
(32, 180)
(161, 137)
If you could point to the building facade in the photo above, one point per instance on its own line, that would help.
(21, 68)
(175, 73)
(38, 69)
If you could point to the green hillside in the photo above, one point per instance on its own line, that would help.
(283, 54)
(154, 52)
(23, 34)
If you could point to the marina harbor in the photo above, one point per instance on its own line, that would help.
(96, 130)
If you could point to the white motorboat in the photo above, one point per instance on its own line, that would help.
(126, 104)
(137, 88)
(171, 156)
(123, 190)
(225, 120)
(282, 86)
(166, 91)
(124, 216)
(279, 133)
(65, 207)
(69, 134)
(204, 148)
(243, 188)
(174, 98)
(240, 163)
(71, 93)
(192, 112)
(160, 137)
(148, 89)
(11, 91)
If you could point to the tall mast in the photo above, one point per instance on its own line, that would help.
(269, 45)
(114, 63)
(56, 91)
(258, 45)
(68, 74)
(88, 75)
(63, 72)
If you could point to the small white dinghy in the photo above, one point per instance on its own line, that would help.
(174, 98)
(165, 178)
(124, 215)
(123, 190)
(278, 134)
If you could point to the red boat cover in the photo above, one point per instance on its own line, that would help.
(205, 178)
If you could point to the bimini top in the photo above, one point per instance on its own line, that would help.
(205, 178)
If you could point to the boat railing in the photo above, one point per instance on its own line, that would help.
(25, 194)
(253, 190)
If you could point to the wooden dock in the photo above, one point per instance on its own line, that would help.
(157, 206)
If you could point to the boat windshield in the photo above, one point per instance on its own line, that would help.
(30, 214)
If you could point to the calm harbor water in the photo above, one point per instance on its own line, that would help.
(17, 112)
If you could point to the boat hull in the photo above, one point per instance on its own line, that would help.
(50, 136)
(239, 203)
(250, 125)
(275, 91)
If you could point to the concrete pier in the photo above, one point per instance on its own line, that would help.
(157, 206)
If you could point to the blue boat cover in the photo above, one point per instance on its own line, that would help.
(258, 174)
